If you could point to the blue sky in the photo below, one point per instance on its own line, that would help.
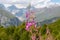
(56, 1)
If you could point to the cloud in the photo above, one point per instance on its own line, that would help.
(21, 1)
(9, 1)
(7, 5)
(24, 3)
(46, 3)
(20, 6)
(42, 4)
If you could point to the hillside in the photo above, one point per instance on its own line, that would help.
(16, 33)
(55, 29)
(7, 18)
(47, 13)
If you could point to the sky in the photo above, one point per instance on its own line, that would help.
(24, 3)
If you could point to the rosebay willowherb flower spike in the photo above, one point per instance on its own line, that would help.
(30, 19)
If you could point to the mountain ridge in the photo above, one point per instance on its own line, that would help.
(7, 18)
(41, 14)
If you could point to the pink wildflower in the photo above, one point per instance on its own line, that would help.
(33, 37)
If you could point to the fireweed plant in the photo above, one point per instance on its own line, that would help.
(30, 20)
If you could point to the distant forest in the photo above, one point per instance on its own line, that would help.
(19, 32)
